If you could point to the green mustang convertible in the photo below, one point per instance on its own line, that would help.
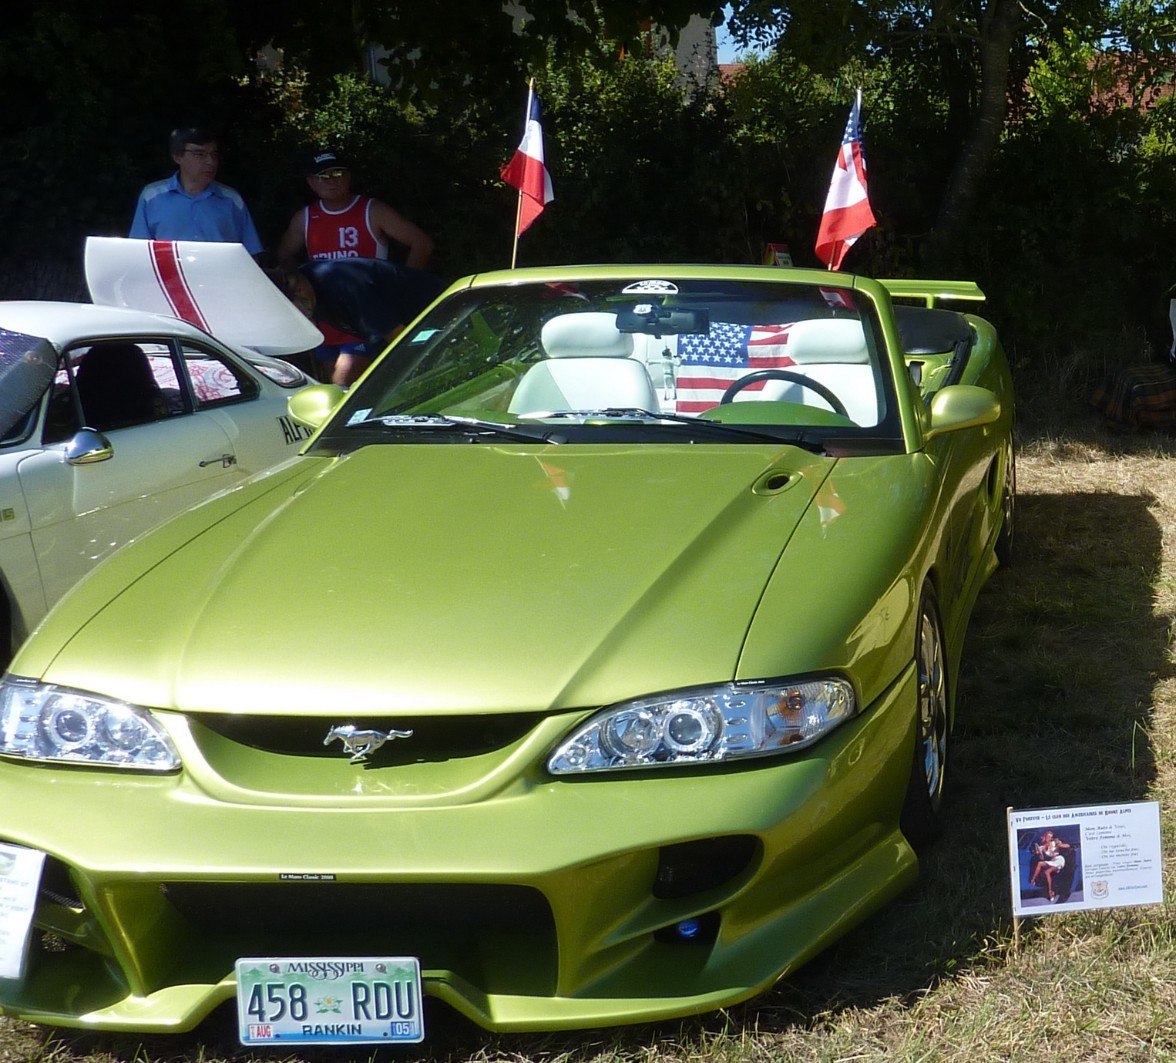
(594, 662)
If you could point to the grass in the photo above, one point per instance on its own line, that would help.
(1067, 696)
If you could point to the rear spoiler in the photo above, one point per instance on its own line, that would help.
(932, 293)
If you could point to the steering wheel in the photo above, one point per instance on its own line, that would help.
(784, 374)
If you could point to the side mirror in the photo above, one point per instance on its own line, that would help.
(311, 406)
(87, 447)
(961, 406)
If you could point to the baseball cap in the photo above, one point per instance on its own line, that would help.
(317, 161)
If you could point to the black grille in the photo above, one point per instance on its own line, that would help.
(499, 937)
(433, 737)
(57, 885)
(287, 906)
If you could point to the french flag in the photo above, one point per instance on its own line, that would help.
(847, 207)
(527, 170)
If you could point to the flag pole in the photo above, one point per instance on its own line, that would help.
(514, 251)
(847, 214)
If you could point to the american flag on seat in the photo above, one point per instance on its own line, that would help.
(709, 364)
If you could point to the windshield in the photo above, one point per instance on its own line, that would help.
(617, 361)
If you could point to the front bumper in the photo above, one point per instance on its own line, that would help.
(532, 903)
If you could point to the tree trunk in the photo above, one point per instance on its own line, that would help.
(999, 25)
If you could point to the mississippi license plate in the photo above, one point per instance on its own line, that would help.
(329, 1000)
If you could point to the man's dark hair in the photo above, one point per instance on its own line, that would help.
(181, 138)
(286, 279)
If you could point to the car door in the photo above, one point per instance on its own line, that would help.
(249, 408)
(165, 454)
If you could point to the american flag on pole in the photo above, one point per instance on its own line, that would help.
(527, 169)
(847, 206)
(709, 364)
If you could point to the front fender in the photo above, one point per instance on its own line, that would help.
(845, 592)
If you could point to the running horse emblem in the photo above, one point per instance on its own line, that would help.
(361, 743)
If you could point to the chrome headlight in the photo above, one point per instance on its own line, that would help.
(39, 721)
(281, 373)
(704, 726)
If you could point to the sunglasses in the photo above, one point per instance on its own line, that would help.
(330, 175)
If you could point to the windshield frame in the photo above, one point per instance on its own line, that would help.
(506, 317)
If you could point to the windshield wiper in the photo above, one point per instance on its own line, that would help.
(471, 425)
(714, 428)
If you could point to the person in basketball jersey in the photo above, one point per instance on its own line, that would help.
(340, 224)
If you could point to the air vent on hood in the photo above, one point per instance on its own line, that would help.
(772, 483)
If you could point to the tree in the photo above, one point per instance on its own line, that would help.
(972, 55)
(94, 86)
(471, 44)
(92, 90)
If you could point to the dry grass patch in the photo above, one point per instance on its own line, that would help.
(1068, 696)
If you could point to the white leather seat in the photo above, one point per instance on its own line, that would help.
(823, 340)
(592, 334)
(852, 384)
(588, 367)
(833, 352)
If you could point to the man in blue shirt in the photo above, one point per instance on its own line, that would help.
(191, 205)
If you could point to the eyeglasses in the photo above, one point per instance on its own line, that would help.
(202, 155)
(330, 175)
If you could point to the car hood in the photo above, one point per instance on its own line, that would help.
(27, 364)
(216, 287)
(441, 578)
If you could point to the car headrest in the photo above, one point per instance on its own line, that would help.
(820, 340)
(589, 335)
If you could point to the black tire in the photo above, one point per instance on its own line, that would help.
(1005, 539)
(922, 810)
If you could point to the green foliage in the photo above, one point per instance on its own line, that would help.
(90, 94)
(1158, 138)
(93, 88)
(1077, 252)
(634, 163)
(466, 47)
(437, 167)
(1071, 232)
(636, 166)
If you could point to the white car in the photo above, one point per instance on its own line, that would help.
(112, 419)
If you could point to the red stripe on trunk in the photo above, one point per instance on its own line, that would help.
(170, 274)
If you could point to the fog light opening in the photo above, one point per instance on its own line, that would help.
(692, 867)
(693, 930)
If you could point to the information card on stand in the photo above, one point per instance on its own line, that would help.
(20, 878)
(1089, 856)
